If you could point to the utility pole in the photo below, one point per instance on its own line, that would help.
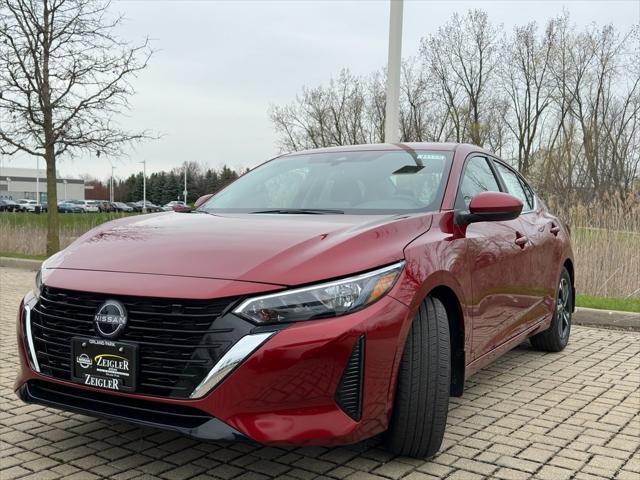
(392, 109)
(144, 186)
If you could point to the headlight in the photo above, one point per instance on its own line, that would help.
(330, 299)
(38, 285)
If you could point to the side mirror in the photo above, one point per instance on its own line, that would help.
(202, 200)
(490, 207)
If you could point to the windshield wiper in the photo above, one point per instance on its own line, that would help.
(309, 211)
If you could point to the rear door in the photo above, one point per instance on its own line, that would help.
(539, 228)
(499, 265)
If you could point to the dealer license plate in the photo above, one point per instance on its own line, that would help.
(101, 363)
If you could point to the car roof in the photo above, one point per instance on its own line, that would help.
(406, 146)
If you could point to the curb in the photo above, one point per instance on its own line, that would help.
(590, 317)
(20, 263)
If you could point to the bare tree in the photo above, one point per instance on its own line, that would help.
(64, 79)
(325, 116)
(562, 104)
(376, 110)
(606, 109)
(525, 76)
(464, 54)
(592, 145)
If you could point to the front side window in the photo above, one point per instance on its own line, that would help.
(477, 177)
(514, 186)
(364, 182)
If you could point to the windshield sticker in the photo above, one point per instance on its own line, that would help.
(431, 156)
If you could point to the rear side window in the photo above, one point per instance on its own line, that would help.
(529, 193)
(477, 177)
(514, 186)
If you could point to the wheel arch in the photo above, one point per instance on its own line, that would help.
(568, 264)
(456, 334)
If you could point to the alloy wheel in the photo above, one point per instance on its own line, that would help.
(563, 307)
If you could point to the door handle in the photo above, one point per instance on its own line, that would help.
(521, 240)
(555, 229)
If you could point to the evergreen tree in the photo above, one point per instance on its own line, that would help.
(171, 189)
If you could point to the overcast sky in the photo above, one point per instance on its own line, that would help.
(220, 64)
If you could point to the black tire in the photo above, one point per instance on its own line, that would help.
(556, 337)
(422, 396)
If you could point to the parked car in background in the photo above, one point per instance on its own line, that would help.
(8, 205)
(151, 207)
(69, 207)
(121, 207)
(135, 206)
(329, 296)
(87, 206)
(173, 204)
(103, 205)
(28, 205)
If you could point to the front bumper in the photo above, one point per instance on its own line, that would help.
(185, 420)
(284, 393)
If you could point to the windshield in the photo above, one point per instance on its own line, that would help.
(365, 182)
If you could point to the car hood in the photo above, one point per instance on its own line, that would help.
(274, 249)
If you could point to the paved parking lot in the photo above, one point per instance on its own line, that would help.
(529, 415)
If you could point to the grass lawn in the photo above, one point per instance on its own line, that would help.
(67, 220)
(621, 304)
(19, 255)
(26, 233)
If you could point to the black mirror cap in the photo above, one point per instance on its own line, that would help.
(465, 217)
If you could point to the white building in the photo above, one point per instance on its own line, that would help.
(17, 183)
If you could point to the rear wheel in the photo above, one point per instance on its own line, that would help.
(422, 396)
(556, 337)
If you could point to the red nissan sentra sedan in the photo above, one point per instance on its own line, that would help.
(324, 297)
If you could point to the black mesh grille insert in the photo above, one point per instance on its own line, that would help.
(179, 340)
(349, 393)
(124, 407)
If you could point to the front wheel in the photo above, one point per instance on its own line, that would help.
(422, 396)
(556, 337)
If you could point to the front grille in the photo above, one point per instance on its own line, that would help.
(179, 340)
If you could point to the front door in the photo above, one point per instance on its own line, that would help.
(499, 263)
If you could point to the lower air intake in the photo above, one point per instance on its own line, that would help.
(349, 393)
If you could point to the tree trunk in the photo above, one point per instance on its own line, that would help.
(53, 225)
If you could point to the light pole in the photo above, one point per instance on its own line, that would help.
(392, 109)
(184, 192)
(144, 186)
(65, 189)
(111, 195)
(111, 189)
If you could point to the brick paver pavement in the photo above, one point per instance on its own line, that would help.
(529, 415)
